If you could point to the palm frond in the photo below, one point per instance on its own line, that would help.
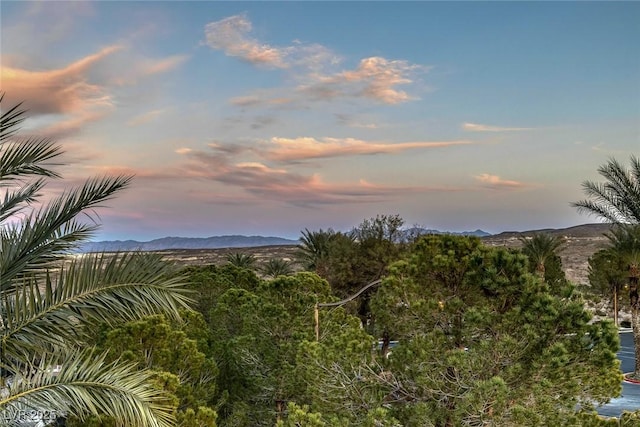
(94, 288)
(86, 385)
(49, 302)
(28, 158)
(624, 240)
(616, 200)
(14, 201)
(52, 230)
(9, 120)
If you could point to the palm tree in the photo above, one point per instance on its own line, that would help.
(240, 260)
(607, 274)
(277, 267)
(618, 201)
(314, 247)
(49, 302)
(540, 249)
(624, 240)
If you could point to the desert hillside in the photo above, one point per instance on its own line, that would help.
(580, 243)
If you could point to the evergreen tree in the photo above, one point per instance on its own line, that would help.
(481, 341)
(607, 276)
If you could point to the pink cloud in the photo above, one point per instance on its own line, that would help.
(59, 91)
(80, 93)
(71, 124)
(475, 127)
(231, 36)
(145, 117)
(276, 184)
(163, 65)
(496, 183)
(375, 78)
(286, 149)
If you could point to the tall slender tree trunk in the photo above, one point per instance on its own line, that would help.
(615, 305)
(635, 316)
(541, 270)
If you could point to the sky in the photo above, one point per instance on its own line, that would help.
(272, 117)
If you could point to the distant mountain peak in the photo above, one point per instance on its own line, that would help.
(163, 243)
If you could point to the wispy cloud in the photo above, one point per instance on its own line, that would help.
(59, 91)
(496, 183)
(375, 78)
(232, 36)
(349, 120)
(312, 66)
(262, 97)
(476, 127)
(71, 124)
(145, 117)
(287, 149)
(71, 97)
(162, 65)
(277, 184)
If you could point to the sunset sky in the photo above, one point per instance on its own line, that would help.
(271, 117)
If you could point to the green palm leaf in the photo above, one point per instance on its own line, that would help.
(86, 384)
(14, 201)
(52, 231)
(94, 288)
(617, 200)
(28, 158)
(9, 120)
(49, 304)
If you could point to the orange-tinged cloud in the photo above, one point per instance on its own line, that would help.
(495, 182)
(313, 66)
(379, 77)
(145, 117)
(260, 167)
(375, 78)
(276, 184)
(65, 90)
(163, 65)
(72, 124)
(231, 36)
(287, 149)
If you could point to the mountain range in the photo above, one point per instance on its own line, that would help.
(220, 242)
(213, 242)
(240, 241)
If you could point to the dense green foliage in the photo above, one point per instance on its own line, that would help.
(501, 346)
(608, 275)
(475, 339)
